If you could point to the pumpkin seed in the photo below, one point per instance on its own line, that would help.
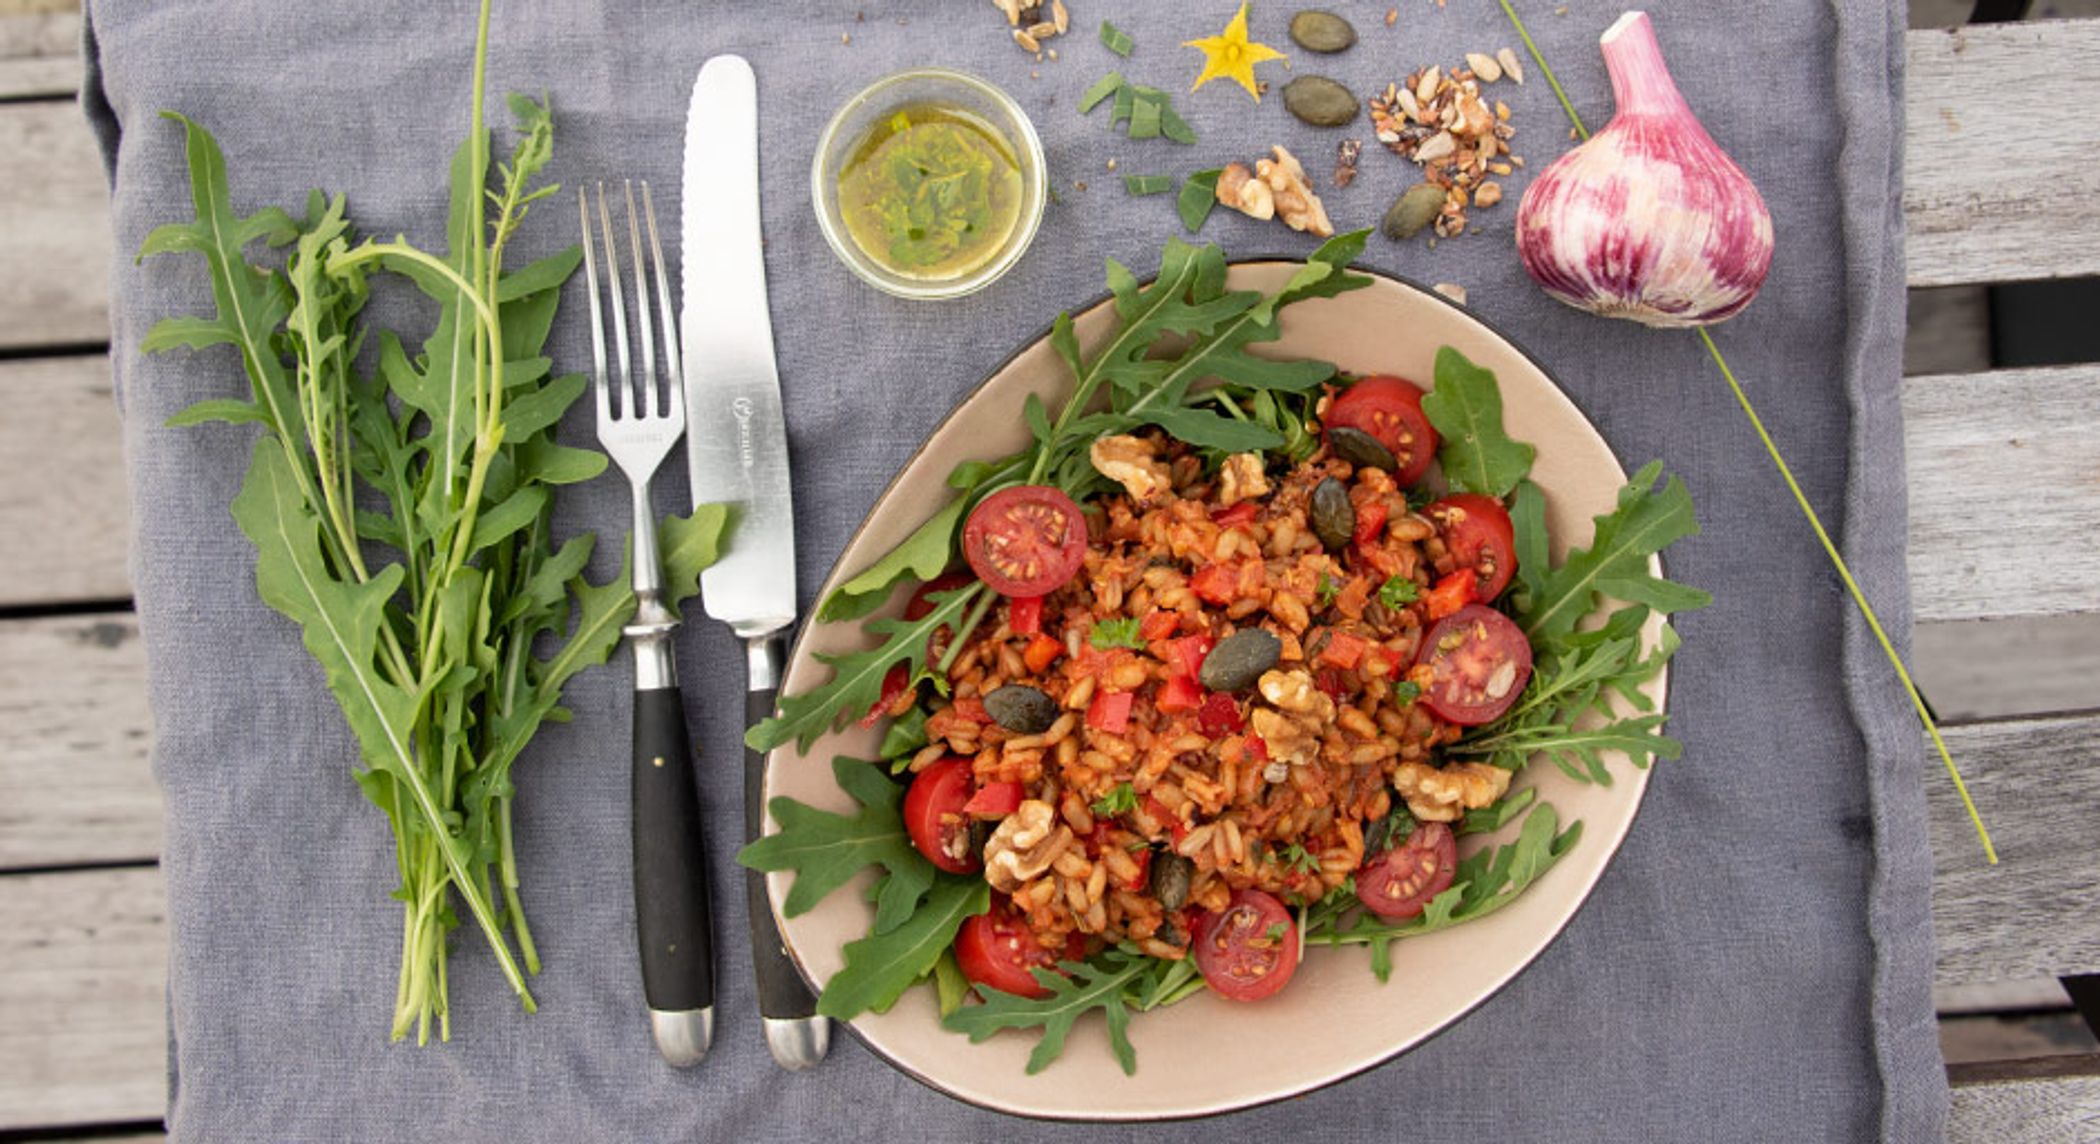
(1412, 212)
(1171, 875)
(1320, 31)
(1239, 660)
(1361, 449)
(1021, 709)
(1333, 517)
(1320, 101)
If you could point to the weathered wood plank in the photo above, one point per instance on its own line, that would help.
(74, 737)
(83, 958)
(62, 489)
(54, 225)
(39, 53)
(2032, 914)
(2009, 668)
(2052, 1100)
(1980, 211)
(2004, 493)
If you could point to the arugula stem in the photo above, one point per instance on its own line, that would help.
(962, 631)
(1786, 473)
(516, 904)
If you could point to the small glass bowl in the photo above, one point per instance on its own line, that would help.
(966, 93)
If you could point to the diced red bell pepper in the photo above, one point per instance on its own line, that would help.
(1157, 625)
(1217, 584)
(1110, 711)
(1219, 716)
(1041, 652)
(1024, 614)
(1180, 693)
(1343, 650)
(994, 800)
(1143, 858)
(1452, 593)
(973, 710)
(1257, 750)
(1186, 655)
(1240, 513)
(1167, 818)
(892, 689)
(1370, 522)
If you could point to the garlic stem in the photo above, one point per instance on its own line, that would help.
(1640, 81)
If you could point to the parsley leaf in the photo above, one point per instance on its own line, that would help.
(1398, 592)
(1328, 589)
(1406, 691)
(1276, 931)
(1466, 408)
(1116, 633)
(1122, 800)
(1297, 857)
(826, 849)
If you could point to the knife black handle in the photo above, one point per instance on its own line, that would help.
(670, 861)
(782, 995)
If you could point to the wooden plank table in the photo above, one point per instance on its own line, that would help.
(82, 925)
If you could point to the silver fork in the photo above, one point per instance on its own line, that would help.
(638, 424)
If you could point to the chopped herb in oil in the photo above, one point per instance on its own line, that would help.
(932, 192)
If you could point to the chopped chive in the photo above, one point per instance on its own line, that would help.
(1103, 88)
(1126, 102)
(1148, 184)
(1144, 119)
(1198, 195)
(1173, 125)
(1116, 39)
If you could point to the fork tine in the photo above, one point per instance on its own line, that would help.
(590, 278)
(649, 403)
(674, 366)
(619, 306)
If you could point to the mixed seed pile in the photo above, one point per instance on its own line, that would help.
(1033, 24)
(1438, 118)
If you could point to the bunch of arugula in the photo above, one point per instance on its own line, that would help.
(404, 519)
(1565, 712)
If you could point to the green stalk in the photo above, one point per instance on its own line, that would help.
(1786, 472)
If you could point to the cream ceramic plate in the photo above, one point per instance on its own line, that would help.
(1208, 1055)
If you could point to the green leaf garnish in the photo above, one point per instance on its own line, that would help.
(881, 966)
(1466, 408)
(1098, 984)
(1122, 799)
(1398, 592)
(825, 849)
(1116, 39)
(1615, 564)
(1121, 632)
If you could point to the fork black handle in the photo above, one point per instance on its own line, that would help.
(670, 859)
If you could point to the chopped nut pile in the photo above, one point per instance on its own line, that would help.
(1275, 188)
(1032, 24)
(1439, 119)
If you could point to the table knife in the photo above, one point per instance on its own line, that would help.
(736, 446)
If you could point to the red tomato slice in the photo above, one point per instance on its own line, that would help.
(1179, 693)
(1390, 409)
(994, 949)
(1110, 712)
(1480, 536)
(1249, 951)
(934, 814)
(1024, 615)
(1026, 540)
(1479, 662)
(994, 800)
(1451, 593)
(1219, 716)
(1400, 882)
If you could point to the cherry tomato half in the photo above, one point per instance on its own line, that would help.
(1025, 541)
(1479, 662)
(933, 814)
(1400, 882)
(1480, 536)
(1249, 951)
(994, 950)
(1390, 409)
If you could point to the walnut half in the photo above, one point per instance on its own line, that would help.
(1024, 845)
(1130, 462)
(1442, 795)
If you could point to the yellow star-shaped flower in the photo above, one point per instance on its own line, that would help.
(1230, 55)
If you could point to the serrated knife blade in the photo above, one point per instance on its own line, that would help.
(736, 451)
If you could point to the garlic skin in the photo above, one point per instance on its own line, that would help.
(1649, 219)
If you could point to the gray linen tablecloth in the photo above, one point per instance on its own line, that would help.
(1755, 965)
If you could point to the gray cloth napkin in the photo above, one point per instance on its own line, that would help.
(1756, 964)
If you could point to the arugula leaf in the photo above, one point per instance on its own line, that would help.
(1199, 192)
(1466, 408)
(1616, 562)
(950, 987)
(881, 966)
(826, 849)
(905, 737)
(1119, 632)
(1098, 984)
(856, 677)
(1120, 800)
(1398, 592)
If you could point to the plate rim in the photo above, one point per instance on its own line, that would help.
(809, 623)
